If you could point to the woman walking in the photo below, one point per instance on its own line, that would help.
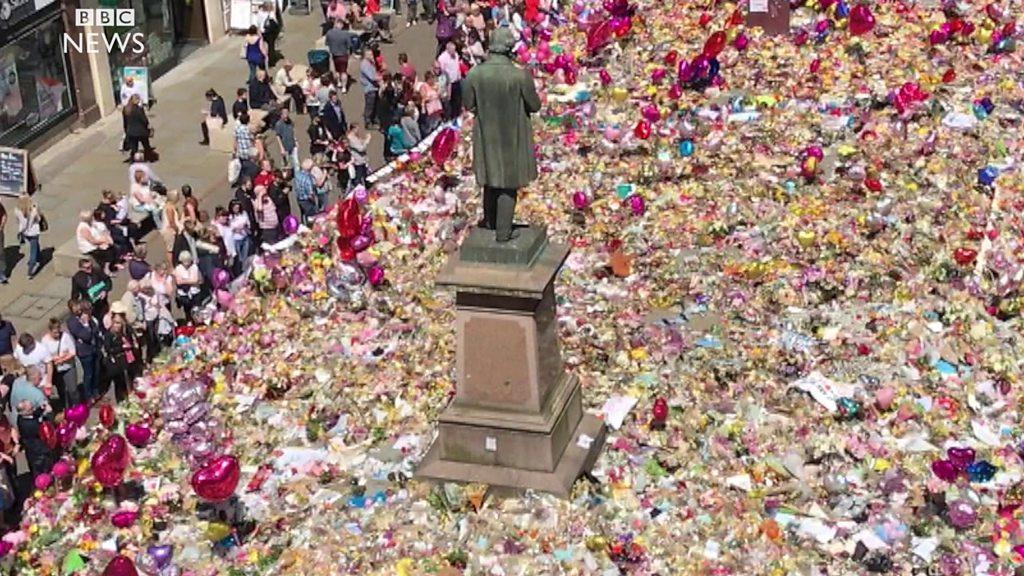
(255, 51)
(30, 225)
(136, 128)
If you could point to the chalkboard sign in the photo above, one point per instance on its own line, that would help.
(15, 175)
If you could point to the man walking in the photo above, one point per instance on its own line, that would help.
(285, 131)
(339, 42)
(371, 85)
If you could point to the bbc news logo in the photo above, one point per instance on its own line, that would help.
(97, 42)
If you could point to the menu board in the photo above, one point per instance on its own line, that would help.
(14, 171)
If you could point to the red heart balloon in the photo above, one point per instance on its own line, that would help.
(138, 434)
(598, 36)
(659, 412)
(217, 479)
(349, 220)
(862, 20)
(120, 566)
(107, 416)
(110, 461)
(642, 130)
(443, 147)
(48, 435)
(965, 256)
(671, 58)
(714, 45)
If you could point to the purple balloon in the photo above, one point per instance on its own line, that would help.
(290, 225)
(221, 278)
(361, 195)
(161, 555)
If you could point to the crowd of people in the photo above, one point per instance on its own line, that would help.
(105, 342)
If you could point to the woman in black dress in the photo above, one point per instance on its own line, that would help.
(120, 356)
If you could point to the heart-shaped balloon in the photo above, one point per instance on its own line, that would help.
(107, 416)
(714, 45)
(862, 20)
(642, 130)
(965, 256)
(217, 479)
(161, 554)
(961, 458)
(66, 432)
(110, 461)
(48, 434)
(443, 146)
(124, 518)
(598, 36)
(138, 434)
(376, 276)
(120, 565)
(79, 414)
(605, 77)
(945, 470)
(580, 200)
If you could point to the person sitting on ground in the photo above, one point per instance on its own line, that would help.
(260, 92)
(284, 83)
(115, 216)
(97, 247)
(101, 230)
(143, 200)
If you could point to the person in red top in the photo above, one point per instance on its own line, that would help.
(372, 7)
(531, 14)
(405, 68)
(266, 176)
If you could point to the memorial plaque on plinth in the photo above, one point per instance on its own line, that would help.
(517, 417)
(770, 15)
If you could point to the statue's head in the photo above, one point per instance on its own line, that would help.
(502, 41)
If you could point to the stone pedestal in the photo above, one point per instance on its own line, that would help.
(771, 15)
(517, 417)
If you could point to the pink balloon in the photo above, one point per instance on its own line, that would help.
(43, 481)
(862, 20)
(138, 434)
(221, 278)
(651, 113)
(110, 461)
(675, 92)
(290, 224)
(79, 414)
(217, 479)
(124, 518)
(658, 75)
(66, 431)
(376, 276)
(580, 200)
(360, 243)
(741, 42)
(637, 205)
(443, 147)
(937, 36)
(605, 77)
(62, 469)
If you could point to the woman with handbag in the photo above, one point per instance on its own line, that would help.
(137, 129)
(31, 223)
(120, 354)
(60, 345)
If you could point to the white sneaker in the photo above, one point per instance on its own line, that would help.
(408, 24)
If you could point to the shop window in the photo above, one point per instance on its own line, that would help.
(35, 89)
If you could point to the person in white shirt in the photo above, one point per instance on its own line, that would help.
(129, 88)
(139, 163)
(144, 200)
(29, 353)
(241, 231)
(189, 284)
(451, 67)
(60, 345)
(92, 241)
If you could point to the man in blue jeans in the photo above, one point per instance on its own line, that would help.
(305, 190)
(370, 82)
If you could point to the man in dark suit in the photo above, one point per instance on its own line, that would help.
(217, 110)
(334, 117)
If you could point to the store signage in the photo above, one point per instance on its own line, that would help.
(97, 42)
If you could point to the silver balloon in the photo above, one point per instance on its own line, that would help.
(884, 206)
(146, 564)
(171, 570)
(197, 412)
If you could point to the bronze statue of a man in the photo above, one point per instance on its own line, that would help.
(502, 96)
